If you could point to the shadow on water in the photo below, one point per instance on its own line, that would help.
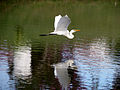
(90, 61)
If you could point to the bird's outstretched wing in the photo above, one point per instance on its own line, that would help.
(63, 23)
(57, 18)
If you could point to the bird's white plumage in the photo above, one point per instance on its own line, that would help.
(57, 18)
(61, 24)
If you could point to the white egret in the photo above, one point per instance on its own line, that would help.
(61, 24)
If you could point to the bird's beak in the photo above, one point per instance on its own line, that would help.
(76, 30)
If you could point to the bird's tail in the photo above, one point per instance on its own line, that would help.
(44, 34)
(47, 34)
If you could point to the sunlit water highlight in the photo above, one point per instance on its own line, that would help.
(95, 65)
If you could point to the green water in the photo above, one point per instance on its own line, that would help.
(27, 59)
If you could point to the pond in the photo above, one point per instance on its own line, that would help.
(90, 61)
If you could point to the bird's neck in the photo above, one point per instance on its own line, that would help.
(71, 36)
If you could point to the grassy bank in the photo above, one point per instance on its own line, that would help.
(7, 5)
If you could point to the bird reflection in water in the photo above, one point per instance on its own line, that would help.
(63, 72)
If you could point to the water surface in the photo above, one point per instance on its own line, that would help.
(91, 61)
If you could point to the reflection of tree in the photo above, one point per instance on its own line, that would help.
(42, 72)
(22, 62)
(116, 84)
(19, 38)
(117, 48)
(43, 56)
(116, 52)
(22, 59)
(67, 54)
(95, 66)
(6, 66)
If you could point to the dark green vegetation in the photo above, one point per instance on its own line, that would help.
(37, 17)
(8, 4)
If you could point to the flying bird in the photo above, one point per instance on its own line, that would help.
(61, 24)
